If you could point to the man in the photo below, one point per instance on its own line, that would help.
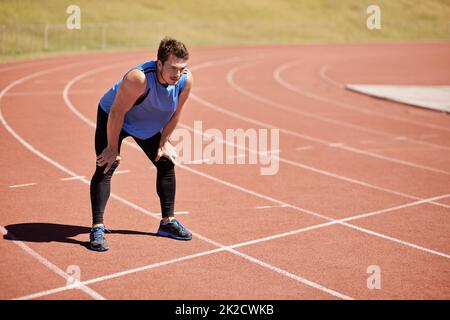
(146, 105)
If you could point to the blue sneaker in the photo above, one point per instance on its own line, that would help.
(174, 229)
(98, 241)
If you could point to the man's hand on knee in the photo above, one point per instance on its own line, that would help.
(107, 157)
(168, 151)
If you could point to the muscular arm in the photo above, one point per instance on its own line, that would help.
(131, 88)
(172, 124)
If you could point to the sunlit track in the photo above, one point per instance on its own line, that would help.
(142, 210)
(287, 161)
(92, 124)
(383, 246)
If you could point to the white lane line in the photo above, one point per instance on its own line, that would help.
(158, 214)
(304, 148)
(23, 185)
(83, 177)
(324, 76)
(336, 144)
(236, 245)
(73, 178)
(270, 207)
(121, 171)
(212, 160)
(396, 150)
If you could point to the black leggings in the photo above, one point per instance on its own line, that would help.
(101, 183)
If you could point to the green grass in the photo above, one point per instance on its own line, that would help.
(217, 23)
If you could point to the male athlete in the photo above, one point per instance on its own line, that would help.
(146, 105)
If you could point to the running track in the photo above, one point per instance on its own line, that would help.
(362, 181)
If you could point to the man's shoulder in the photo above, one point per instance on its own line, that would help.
(148, 66)
(135, 76)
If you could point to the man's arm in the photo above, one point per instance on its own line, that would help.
(131, 88)
(172, 124)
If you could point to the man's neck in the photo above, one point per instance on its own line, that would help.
(160, 77)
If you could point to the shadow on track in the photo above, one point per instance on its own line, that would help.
(51, 232)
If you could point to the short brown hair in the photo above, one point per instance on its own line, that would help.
(169, 46)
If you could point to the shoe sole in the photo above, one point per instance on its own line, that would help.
(102, 249)
(169, 235)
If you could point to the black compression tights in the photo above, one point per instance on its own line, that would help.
(101, 183)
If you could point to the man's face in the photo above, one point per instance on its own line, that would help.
(172, 69)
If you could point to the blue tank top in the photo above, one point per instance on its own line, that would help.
(151, 112)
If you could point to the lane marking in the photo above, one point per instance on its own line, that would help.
(234, 246)
(200, 161)
(336, 144)
(121, 171)
(325, 77)
(270, 207)
(304, 148)
(83, 177)
(73, 178)
(23, 185)
(158, 214)
(393, 149)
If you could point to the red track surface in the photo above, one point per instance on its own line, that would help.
(342, 155)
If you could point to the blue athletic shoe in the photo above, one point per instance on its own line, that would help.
(174, 229)
(98, 241)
